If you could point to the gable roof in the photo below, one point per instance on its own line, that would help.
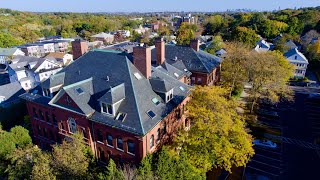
(105, 75)
(11, 91)
(191, 60)
(103, 35)
(8, 51)
(293, 52)
(56, 55)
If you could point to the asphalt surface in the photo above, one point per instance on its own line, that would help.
(296, 155)
(299, 155)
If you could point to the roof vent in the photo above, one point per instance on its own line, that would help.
(175, 58)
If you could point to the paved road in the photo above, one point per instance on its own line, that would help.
(302, 161)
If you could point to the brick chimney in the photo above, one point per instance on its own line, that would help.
(79, 48)
(195, 44)
(160, 51)
(142, 60)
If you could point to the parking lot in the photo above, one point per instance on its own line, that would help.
(267, 163)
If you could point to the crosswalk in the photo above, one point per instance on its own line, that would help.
(300, 143)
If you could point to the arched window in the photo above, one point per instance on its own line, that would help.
(72, 125)
(119, 143)
(151, 141)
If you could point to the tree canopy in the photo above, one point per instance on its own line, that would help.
(218, 137)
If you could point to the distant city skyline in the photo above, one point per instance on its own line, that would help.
(152, 6)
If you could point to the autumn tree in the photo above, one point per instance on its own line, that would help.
(245, 35)
(186, 32)
(233, 71)
(218, 137)
(216, 44)
(268, 74)
(272, 28)
(213, 24)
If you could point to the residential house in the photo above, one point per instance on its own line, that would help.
(63, 58)
(7, 54)
(292, 45)
(104, 37)
(30, 50)
(263, 46)
(221, 53)
(30, 71)
(124, 110)
(299, 61)
(9, 94)
(141, 30)
(205, 67)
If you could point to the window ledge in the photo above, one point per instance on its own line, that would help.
(110, 146)
(120, 149)
(100, 142)
(131, 154)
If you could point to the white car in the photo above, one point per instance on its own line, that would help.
(265, 143)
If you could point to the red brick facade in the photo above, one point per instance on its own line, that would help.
(50, 125)
(205, 79)
(79, 48)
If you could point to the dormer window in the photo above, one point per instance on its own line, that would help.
(295, 57)
(169, 95)
(46, 92)
(121, 116)
(106, 108)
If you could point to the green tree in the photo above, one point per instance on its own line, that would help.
(272, 28)
(185, 33)
(42, 169)
(245, 35)
(7, 40)
(233, 71)
(113, 173)
(218, 137)
(268, 74)
(69, 158)
(145, 168)
(213, 24)
(21, 136)
(21, 162)
(216, 44)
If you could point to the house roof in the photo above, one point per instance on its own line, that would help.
(105, 76)
(10, 90)
(291, 44)
(295, 51)
(103, 35)
(21, 62)
(184, 57)
(56, 55)
(7, 51)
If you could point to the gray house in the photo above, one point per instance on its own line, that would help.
(9, 94)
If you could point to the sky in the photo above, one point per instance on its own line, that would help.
(151, 5)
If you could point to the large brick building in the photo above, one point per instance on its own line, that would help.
(124, 109)
(204, 67)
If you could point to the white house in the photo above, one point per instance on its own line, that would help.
(63, 58)
(263, 46)
(299, 61)
(9, 53)
(105, 37)
(30, 71)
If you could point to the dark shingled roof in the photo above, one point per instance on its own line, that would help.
(184, 57)
(109, 76)
(160, 85)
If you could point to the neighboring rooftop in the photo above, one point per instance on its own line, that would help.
(184, 57)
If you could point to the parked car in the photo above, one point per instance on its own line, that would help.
(265, 112)
(265, 143)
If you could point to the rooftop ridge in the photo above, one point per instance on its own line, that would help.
(77, 83)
